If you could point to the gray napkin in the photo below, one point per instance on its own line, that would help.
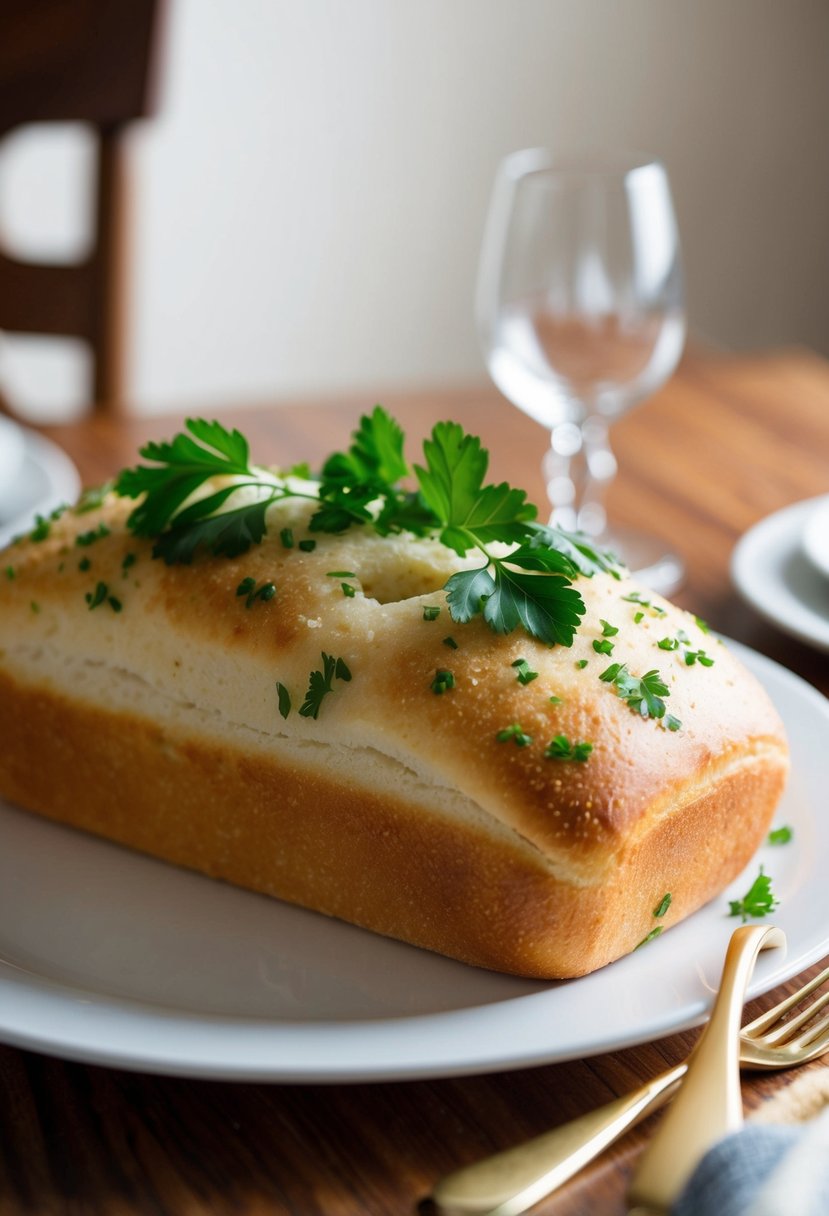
(765, 1169)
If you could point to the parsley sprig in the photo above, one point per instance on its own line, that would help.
(642, 694)
(757, 902)
(530, 586)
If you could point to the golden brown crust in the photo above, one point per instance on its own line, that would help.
(398, 808)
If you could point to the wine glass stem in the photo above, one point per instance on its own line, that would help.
(578, 468)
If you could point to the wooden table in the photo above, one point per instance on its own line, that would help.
(729, 440)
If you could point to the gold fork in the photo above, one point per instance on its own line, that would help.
(512, 1181)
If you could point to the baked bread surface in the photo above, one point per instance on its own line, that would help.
(152, 718)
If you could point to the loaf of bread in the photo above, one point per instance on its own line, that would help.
(487, 796)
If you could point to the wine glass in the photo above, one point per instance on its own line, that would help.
(580, 314)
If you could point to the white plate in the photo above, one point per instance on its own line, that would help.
(108, 957)
(816, 537)
(45, 478)
(772, 573)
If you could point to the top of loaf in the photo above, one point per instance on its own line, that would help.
(87, 593)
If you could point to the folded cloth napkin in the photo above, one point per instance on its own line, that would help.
(777, 1165)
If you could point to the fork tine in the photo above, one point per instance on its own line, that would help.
(814, 1036)
(786, 1032)
(773, 1016)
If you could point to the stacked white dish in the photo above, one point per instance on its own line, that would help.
(35, 477)
(781, 567)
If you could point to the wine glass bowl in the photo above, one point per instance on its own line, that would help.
(580, 314)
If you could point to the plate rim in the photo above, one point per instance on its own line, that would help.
(743, 564)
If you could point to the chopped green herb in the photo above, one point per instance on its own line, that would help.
(655, 932)
(92, 497)
(668, 644)
(698, 656)
(671, 723)
(35, 607)
(443, 680)
(581, 664)
(247, 587)
(431, 612)
(287, 537)
(525, 674)
(451, 643)
(89, 538)
(560, 748)
(514, 732)
(84, 563)
(703, 625)
(284, 699)
(41, 529)
(554, 700)
(603, 646)
(340, 574)
(308, 546)
(341, 670)
(663, 905)
(348, 590)
(10, 572)
(780, 836)
(637, 617)
(757, 902)
(636, 597)
(129, 561)
(114, 603)
(608, 630)
(98, 596)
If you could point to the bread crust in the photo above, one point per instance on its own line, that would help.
(397, 809)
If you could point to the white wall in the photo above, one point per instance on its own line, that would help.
(310, 198)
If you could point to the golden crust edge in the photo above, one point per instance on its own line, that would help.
(373, 861)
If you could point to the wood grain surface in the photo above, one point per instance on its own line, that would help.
(729, 440)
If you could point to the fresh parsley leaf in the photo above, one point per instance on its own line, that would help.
(560, 748)
(608, 630)
(179, 468)
(321, 683)
(642, 694)
(467, 591)
(546, 605)
(757, 902)
(451, 643)
(603, 646)
(452, 486)
(431, 612)
(579, 548)
(663, 905)
(375, 457)
(231, 533)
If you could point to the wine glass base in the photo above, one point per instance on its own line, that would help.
(649, 559)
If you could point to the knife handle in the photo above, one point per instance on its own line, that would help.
(512, 1181)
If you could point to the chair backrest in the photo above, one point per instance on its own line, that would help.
(89, 61)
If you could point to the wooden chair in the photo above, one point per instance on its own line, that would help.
(88, 61)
